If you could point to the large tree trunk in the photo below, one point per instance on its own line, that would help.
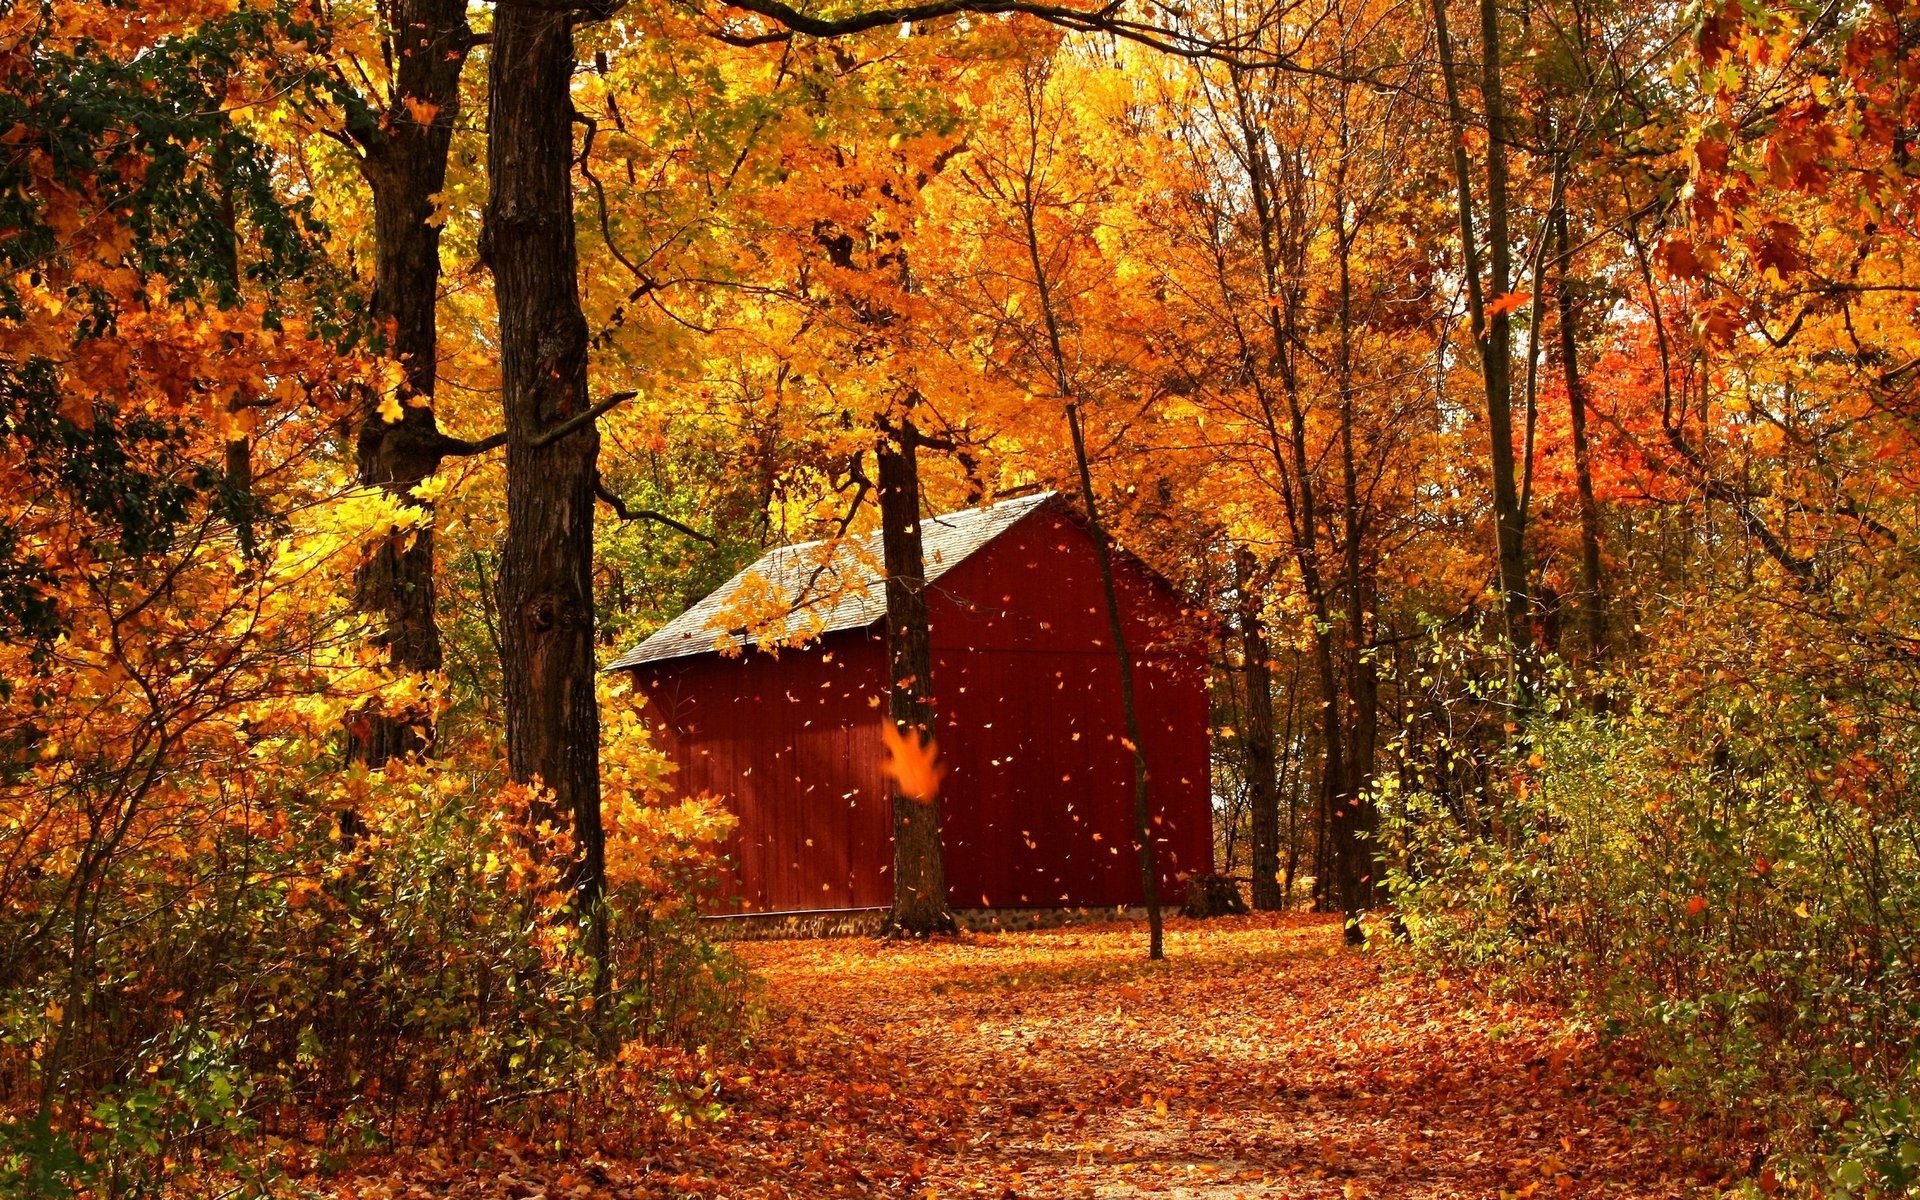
(1362, 678)
(919, 873)
(404, 161)
(546, 583)
(1263, 792)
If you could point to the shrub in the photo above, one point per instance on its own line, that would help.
(1727, 872)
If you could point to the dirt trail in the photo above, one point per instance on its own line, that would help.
(1260, 1060)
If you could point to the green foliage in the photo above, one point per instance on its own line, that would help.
(1726, 875)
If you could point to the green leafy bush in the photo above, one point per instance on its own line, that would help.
(1728, 874)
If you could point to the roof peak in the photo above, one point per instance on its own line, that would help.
(780, 592)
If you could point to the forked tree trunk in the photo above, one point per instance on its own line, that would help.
(919, 872)
(1263, 792)
(546, 565)
(404, 162)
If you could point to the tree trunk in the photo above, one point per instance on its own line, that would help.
(546, 565)
(1362, 679)
(1497, 342)
(1488, 305)
(1593, 591)
(919, 873)
(238, 467)
(1142, 807)
(1290, 785)
(404, 161)
(1263, 793)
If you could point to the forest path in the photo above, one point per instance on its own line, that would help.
(1261, 1059)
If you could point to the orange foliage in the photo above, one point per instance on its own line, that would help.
(912, 762)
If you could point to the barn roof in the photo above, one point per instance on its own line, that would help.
(794, 594)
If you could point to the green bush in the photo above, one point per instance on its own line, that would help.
(1727, 874)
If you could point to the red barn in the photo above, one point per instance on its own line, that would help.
(1037, 806)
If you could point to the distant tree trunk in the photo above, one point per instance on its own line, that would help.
(919, 873)
(1358, 820)
(1263, 792)
(1325, 892)
(1488, 305)
(404, 162)
(1285, 229)
(1290, 786)
(1593, 590)
(1063, 382)
(546, 565)
(1142, 807)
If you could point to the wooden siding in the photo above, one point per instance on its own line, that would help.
(793, 743)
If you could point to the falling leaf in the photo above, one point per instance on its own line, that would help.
(1510, 302)
(912, 762)
(421, 111)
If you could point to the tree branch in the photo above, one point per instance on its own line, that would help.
(621, 510)
(580, 421)
(453, 447)
(1104, 19)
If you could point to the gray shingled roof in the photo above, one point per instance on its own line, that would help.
(796, 593)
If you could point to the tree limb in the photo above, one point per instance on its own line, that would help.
(621, 510)
(580, 421)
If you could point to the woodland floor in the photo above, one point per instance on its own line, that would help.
(1260, 1060)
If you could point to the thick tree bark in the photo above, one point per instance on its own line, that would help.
(919, 872)
(404, 161)
(546, 566)
(1263, 792)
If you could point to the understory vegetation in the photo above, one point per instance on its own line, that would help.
(1715, 861)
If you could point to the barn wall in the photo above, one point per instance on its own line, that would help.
(793, 742)
(1038, 802)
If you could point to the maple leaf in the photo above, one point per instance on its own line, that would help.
(1776, 249)
(912, 762)
(1677, 256)
(421, 111)
(1510, 302)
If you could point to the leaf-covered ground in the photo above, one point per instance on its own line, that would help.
(1261, 1060)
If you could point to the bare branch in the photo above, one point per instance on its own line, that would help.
(621, 510)
(576, 423)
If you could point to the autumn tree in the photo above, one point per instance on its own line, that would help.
(397, 91)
